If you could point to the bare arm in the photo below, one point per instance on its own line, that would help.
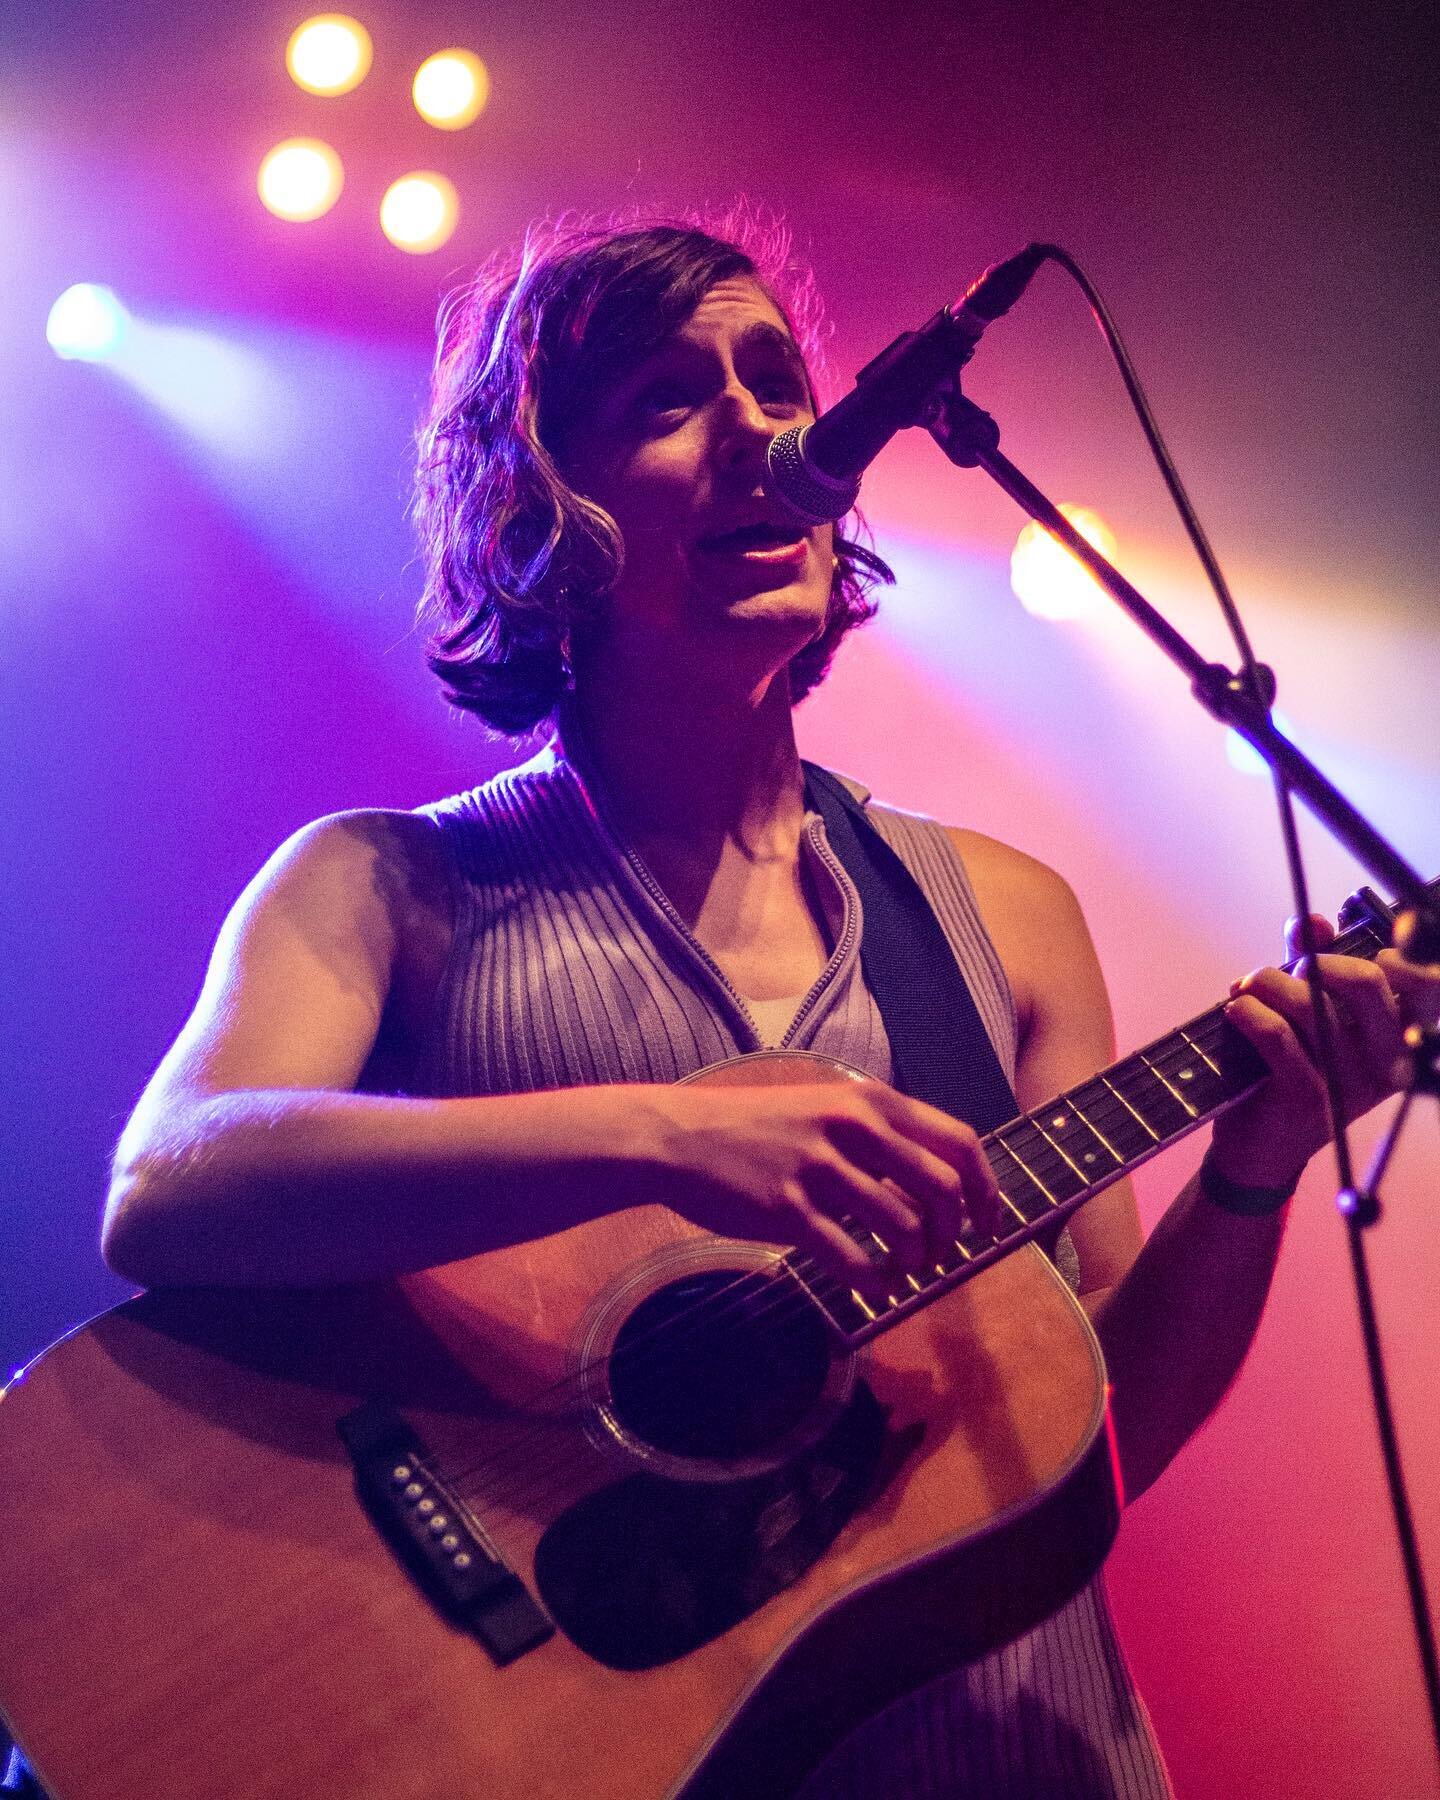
(1175, 1314)
(251, 1159)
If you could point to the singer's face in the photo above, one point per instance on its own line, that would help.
(714, 578)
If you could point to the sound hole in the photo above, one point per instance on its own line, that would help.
(719, 1364)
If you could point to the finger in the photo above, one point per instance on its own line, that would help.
(1279, 992)
(954, 1144)
(1275, 1037)
(1366, 1023)
(933, 1185)
(1416, 986)
(1371, 1017)
(828, 1243)
(1322, 934)
(880, 1208)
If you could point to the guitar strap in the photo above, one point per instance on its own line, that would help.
(939, 1046)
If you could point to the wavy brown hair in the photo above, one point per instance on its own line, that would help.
(515, 559)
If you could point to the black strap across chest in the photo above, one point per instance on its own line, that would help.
(939, 1046)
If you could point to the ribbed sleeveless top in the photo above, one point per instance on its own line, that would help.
(568, 967)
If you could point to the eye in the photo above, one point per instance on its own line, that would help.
(782, 389)
(661, 398)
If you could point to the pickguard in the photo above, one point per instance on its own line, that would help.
(647, 1569)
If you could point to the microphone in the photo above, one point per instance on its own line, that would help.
(814, 470)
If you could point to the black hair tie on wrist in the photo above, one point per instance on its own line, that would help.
(1235, 1197)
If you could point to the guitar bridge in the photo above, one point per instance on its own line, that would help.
(435, 1537)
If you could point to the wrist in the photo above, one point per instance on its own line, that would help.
(1244, 1199)
(1259, 1151)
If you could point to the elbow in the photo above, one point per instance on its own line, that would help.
(125, 1230)
(141, 1236)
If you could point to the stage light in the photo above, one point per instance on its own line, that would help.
(329, 54)
(451, 89)
(1047, 580)
(419, 212)
(86, 324)
(300, 179)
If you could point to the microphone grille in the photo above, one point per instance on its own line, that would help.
(791, 478)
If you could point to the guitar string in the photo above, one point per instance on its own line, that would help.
(666, 1334)
(712, 1309)
(677, 1331)
(705, 1313)
(1179, 1043)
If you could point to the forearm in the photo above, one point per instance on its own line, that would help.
(1178, 1326)
(307, 1188)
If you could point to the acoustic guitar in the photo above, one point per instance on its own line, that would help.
(631, 1512)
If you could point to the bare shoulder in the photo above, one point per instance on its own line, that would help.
(371, 886)
(1066, 1030)
(1029, 910)
(398, 851)
(336, 943)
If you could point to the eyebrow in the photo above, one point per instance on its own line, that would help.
(771, 337)
(759, 336)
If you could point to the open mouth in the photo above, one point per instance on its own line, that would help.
(764, 540)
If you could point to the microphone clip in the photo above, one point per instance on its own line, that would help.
(964, 431)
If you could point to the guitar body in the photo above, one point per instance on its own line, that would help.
(197, 1605)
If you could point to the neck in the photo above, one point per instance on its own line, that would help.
(677, 759)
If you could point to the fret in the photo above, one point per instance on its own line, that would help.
(1052, 1138)
(1146, 1093)
(839, 1305)
(1119, 1130)
(1033, 1199)
(1048, 1160)
(1169, 1086)
(1057, 1175)
(1151, 1136)
(1192, 1075)
(1011, 1180)
(1192, 1044)
(1088, 1148)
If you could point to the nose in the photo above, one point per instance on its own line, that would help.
(745, 428)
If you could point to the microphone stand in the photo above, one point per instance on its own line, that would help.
(971, 439)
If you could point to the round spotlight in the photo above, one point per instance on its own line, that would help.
(419, 212)
(329, 54)
(300, 179)
(1047, 580)
(451, 89)
(86, 324)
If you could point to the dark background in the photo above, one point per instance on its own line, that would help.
(206, 639)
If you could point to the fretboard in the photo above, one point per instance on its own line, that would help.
(1047, 1163)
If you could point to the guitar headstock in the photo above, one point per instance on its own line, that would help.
(1365, 912)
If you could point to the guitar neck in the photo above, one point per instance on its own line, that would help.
(1048, 1162)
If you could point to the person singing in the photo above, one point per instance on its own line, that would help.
(426, 1035)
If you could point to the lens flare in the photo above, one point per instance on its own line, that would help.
(419, 212)
(300, 179)
(329, 54)
(451, 89)
(1047, 580)
(86, 324)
